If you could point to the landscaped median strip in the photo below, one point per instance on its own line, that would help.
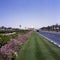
(9, 50)
(38, 48)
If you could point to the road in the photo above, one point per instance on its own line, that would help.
(53, 36)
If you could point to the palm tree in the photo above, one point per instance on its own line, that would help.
(20, 26)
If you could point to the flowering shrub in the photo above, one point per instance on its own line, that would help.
(9, 50)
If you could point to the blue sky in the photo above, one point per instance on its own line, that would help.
(29, 13)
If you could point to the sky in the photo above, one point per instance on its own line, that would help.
(29, 13)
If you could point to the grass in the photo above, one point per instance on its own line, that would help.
(38, 48)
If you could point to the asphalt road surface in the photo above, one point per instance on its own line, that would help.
(53, 36)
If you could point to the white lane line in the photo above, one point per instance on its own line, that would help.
(59, 45)
(49, 40)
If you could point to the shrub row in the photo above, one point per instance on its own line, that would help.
(9, 50)
(5, 38)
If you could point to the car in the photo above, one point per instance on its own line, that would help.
(37, 30)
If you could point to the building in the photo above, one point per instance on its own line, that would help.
(51, 28)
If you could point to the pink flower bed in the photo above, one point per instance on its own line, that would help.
(12, 47)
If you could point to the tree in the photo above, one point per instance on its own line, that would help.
(20, 26)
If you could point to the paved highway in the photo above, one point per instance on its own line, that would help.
(53, 36)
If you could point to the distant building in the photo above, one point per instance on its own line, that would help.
(2, 28)
(5, 28)
(51, 28)
(30, 28)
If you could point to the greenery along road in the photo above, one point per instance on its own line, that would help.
(38, 48)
